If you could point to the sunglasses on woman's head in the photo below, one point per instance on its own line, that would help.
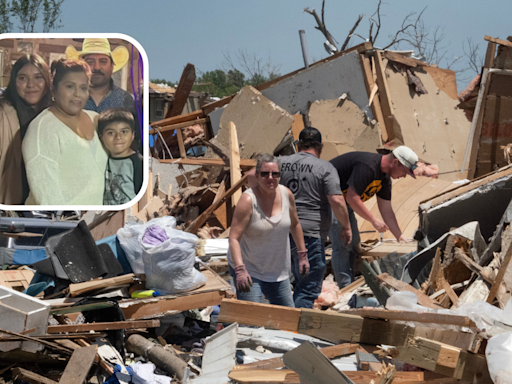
(266, 174)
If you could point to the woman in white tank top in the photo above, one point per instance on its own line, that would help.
(259, 246)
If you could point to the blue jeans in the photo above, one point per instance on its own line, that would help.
(277, 293)
(343, 257)
(307, 289)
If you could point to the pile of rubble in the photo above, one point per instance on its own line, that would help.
(144, 295)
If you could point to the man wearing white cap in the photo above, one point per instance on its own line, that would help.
(362, 175)
(103, 94)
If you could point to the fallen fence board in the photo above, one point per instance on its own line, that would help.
(108, 326)
(80, 288)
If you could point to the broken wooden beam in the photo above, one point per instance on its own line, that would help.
(427, 317)
(198, 222)
(178, 119)
(79, 365)
(177, 127)
(107, 326)
(30, 377)
(445, 359)
(472, 265)
(379, 290)
(188, 77)
(501, 274)
(81, 288)
(235, 171)
(276, 362)
(401, 286)
(498, 41)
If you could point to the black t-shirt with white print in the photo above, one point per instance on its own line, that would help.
(361, 171)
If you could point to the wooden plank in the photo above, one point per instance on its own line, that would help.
(375, 105)
(181, 145)
(198, 222)
(260, 315)
(178, 119)
(244, 163)
(401, 286)
(57, 337)
(177, 127)
(442, 358)
(473, 266)
(501, 274)
(333, 327)
(276, 362)
(188, 77)
(498, 41)
(426, 317)
(489, 55)
(47, 344)
(384, 96)
(393, 56)
(108, 326)
(19, 235)
(281, 376)
(30, 377)
(473, 144)
(79, 365)
(352, 286)
(234, 162)
(88, 286)
(154, 307)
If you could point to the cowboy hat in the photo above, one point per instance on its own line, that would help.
(119, 56)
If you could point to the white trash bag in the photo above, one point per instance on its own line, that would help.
(499, 358)
(169, 257)
(130, 238)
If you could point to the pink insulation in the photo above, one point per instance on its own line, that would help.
(430, 170)
(329, 295)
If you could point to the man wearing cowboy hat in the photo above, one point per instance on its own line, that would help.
(363, 175)
(103, 94)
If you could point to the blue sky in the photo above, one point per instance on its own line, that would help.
(177, 32)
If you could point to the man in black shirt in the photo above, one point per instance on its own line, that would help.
(363, 175)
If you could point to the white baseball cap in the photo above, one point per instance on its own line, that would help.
(407, 157)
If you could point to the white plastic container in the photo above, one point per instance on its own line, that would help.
(19, 313)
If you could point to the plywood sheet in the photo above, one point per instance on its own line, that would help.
(344, 127)
(429, 123)
(407, 193)
(260, 123)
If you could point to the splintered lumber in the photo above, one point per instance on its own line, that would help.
(260, 315)
(234, 162)
(472, 266)
(336, 327)
(401, 286)
(282, 376)
(426, 317)
(81, 288)
(393, 56)
(108, 326)
(30, 377)
(79, 365)
(375, 104)
(166, 359)
(445, 359)
(198, 222)
(501, 275)
(276, 362)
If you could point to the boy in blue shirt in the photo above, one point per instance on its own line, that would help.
(124, 173)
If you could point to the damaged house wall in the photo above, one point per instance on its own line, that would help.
(429, 123)
(323, 81)
(344, 127)
(483, 200)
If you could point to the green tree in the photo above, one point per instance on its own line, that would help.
(28, 12)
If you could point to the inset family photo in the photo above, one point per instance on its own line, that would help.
(71, 121)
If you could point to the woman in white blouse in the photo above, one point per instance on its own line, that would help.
(64, 157)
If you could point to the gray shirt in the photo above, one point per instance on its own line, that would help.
(311, 180)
